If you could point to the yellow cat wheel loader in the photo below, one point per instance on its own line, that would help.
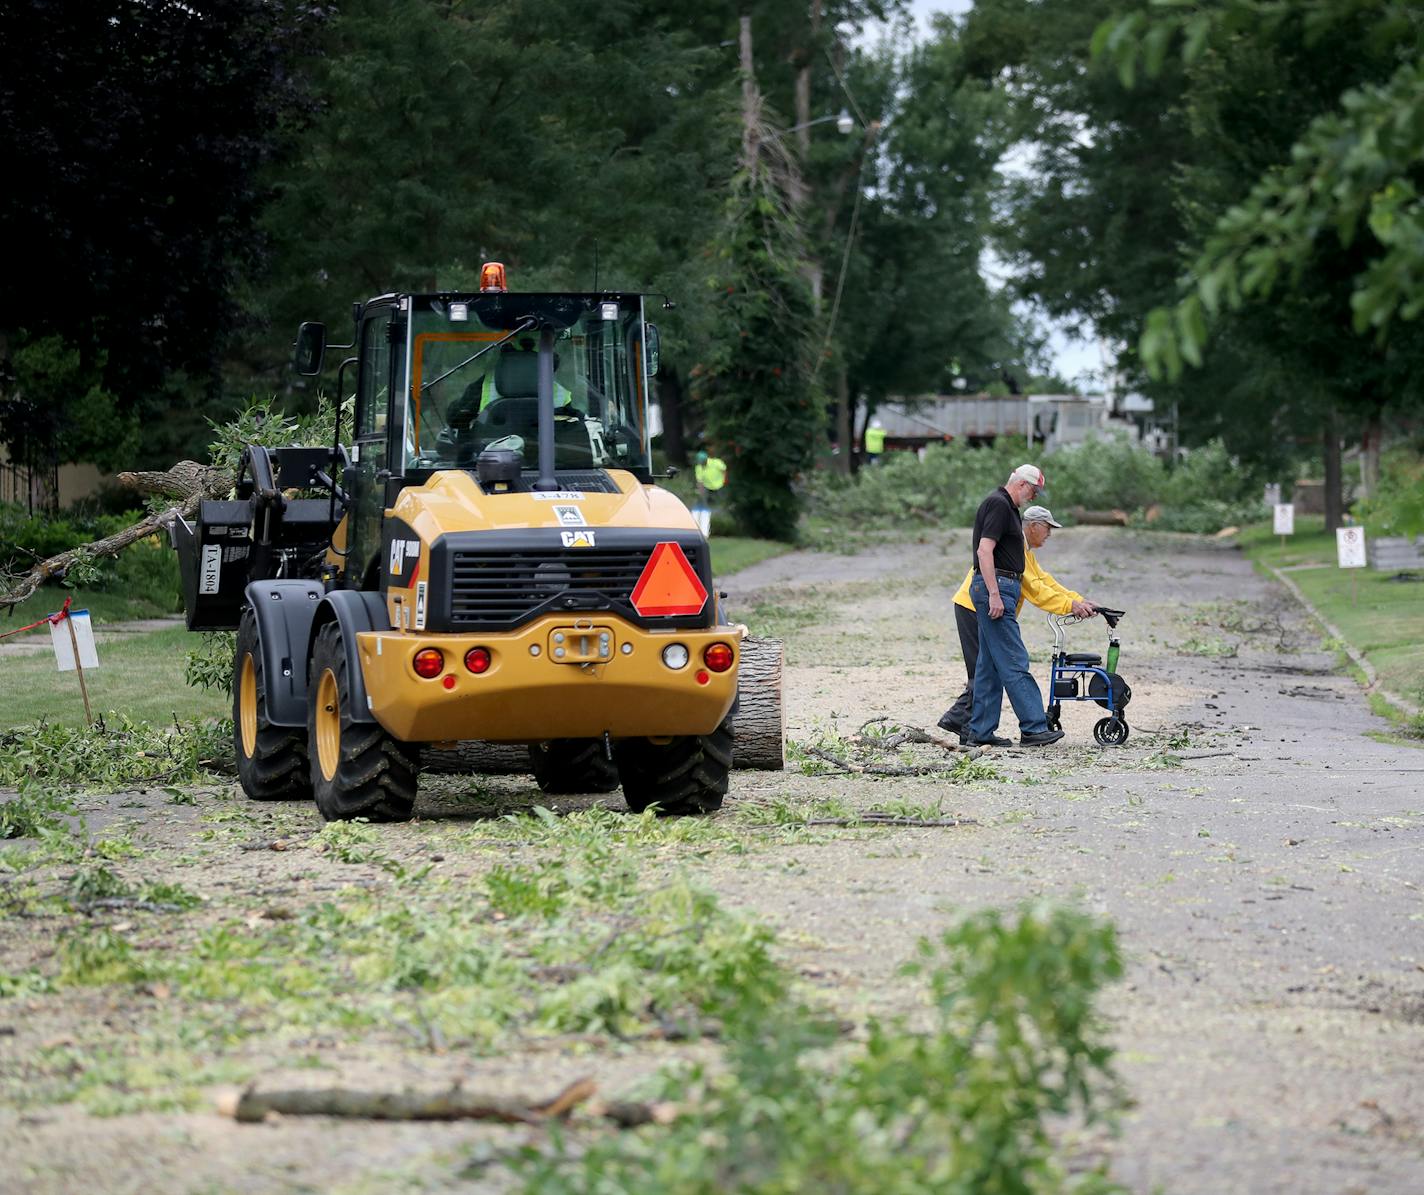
(489, 559)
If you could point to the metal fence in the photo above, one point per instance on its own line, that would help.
(35, 487)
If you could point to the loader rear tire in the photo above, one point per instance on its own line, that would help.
(685, 775)
(573, 766)
(271, 760)
(357, 768)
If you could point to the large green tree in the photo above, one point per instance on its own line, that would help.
(1144, 153)
(133, 135)
(1308, 139)
(457, 132)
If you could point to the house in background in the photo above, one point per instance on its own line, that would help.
(1050, 420)
(46, 487)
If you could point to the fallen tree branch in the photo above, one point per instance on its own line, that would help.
(901, 736)
(889, 819)
(876, 769)
(127, 902)
(187, 480)
(252, 1106)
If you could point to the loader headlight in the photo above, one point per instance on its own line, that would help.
(675, 656)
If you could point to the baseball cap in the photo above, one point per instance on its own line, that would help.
(1040, 514)
(1031, 474)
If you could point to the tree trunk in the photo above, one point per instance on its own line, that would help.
(670, 394)
(844, 431)
(1330, 445)
(1370, 456)
(759, 725)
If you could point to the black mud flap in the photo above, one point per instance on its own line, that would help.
(285, 611)
(356, 611)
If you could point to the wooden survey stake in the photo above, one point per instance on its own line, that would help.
(74, 649)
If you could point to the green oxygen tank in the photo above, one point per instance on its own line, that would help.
(1112, 653)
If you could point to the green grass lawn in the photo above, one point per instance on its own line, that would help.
(1381, 618)
(138, 675)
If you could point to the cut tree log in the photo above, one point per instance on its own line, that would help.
(1099, 518)
(475, 757)
(253, 1106)
(759, 724)
(187, 480)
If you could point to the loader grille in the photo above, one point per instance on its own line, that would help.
(497, 590)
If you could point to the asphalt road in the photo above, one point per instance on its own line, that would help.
(1266, 884)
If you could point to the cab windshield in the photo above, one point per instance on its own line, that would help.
(474, 380)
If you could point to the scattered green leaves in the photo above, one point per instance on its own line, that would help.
(1015, 1044)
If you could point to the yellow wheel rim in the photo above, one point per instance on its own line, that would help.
(247, 705)
(328, 724)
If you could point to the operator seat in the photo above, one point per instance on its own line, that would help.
(516, 410)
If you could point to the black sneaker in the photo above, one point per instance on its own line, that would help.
(947, 723)
(993, 740)
(1040, 738)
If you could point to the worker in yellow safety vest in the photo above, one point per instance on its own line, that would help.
(480, 394)
(874, 441)
(711, 475)
(489, 393)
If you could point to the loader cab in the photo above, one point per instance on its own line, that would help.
(445, 379)
(472, 375)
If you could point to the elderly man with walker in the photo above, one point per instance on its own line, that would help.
(1039, 587)
(996, 591)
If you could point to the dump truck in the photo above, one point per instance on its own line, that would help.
(489, 559)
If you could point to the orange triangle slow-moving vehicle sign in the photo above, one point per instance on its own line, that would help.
(669, 585)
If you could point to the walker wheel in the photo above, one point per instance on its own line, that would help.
(1110, 732)
(1055, 714)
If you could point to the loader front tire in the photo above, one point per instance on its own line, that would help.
(573, 766)
(684, 775)
(271, 760)
(357, 768)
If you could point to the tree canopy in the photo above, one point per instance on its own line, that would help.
(1230, 185)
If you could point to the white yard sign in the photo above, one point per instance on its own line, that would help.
(83, 637)
(1285, 518)
(1350, 545)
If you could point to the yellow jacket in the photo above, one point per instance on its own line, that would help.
(1038, 587)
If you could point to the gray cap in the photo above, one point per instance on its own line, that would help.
(1040, 514)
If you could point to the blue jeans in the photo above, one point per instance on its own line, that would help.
(1003, 665)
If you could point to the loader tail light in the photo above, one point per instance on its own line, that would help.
(429, 662)
(717, 656)
(477, 660)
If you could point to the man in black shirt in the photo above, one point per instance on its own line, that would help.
(1003, 659)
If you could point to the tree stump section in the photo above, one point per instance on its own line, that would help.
(759, 725)
(475, 757)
